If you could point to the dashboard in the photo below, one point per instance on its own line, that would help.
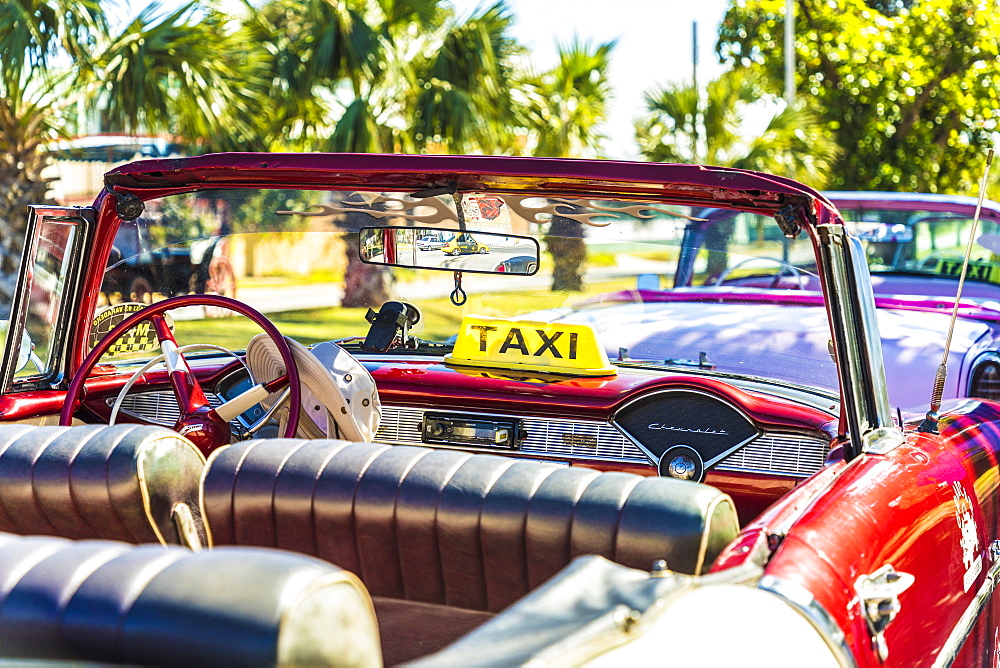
(753, 445)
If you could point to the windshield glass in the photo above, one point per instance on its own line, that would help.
(663, 285)
(46, 285)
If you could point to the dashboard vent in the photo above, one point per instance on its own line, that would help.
(579, 439)
(784, 454)
(400, 425)
(159, 407)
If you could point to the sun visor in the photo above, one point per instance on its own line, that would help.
(525, 345)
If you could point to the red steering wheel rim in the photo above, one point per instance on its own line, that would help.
(158, 309)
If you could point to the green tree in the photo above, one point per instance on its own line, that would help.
(186, 74)
(564, 110)
(60, 60)
(365, 76)
(310, 51)
(569, 102)
(436, 85)
(681, 128)
(910, 89)
(33, 106)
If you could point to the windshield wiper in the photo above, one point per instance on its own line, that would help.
(701, 363)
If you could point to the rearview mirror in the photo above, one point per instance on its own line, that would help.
(450, 250)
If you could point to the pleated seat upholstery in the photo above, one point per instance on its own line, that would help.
(123, 482)
(112, 602)
(446, 531)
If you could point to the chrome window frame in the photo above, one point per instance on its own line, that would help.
(83, 218)
(857, 345)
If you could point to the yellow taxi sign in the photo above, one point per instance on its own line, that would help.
(978, 270)
(527, 345)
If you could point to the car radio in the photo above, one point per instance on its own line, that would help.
(485, 432)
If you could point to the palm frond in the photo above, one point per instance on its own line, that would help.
(356, 131)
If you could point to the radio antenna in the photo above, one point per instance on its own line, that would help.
(930, 421)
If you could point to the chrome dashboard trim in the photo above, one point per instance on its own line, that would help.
(771, 453)
(768, 454)
(801, 600)
(774, 448)
(151, 407)
(593, 440)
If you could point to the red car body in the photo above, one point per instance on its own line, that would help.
(881, 495)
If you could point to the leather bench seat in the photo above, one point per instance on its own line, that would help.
(112, 602)
(132, 483)
(444, 539)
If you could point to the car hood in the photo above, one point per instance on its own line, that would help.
(778, 341)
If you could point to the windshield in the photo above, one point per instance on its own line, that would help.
(662, 285)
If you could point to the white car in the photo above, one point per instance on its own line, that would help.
(429, 243)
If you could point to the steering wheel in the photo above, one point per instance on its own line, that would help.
(206, 427)
(785, 269)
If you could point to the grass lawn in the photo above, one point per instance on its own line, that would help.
(440, 318)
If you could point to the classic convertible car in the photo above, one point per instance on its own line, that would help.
(754, 485)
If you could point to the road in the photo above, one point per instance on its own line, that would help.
(429, 285)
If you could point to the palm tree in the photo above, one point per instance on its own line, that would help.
(679, 128)
(379, 76)
(569, 104)
(310, 50)
(571, 101)
(159, 73)
(33, 106)
(188, 74)
(452, 100)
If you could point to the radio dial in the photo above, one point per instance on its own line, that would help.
(438, 428)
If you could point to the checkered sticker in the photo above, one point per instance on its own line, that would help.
(138, 339)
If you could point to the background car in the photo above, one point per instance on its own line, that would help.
(464, 244)
(520, 264)
(914, 245)
(140, 266)
(765, 422)
(430, 243)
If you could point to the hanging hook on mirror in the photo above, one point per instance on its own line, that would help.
(458, 296)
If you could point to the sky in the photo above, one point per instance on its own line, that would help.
(654, 46)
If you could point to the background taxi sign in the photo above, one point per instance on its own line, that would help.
(527, 345)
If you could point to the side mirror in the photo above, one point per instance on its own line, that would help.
(450, 250)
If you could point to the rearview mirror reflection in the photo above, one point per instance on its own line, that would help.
(450, 250)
